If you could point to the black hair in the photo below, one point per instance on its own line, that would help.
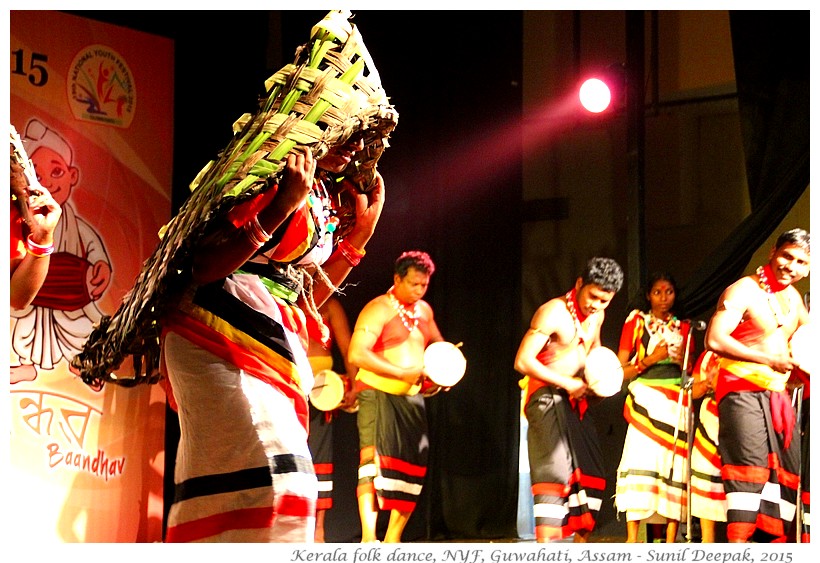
(603, 272)
(797, 237)
(650, 282)
(417, 259)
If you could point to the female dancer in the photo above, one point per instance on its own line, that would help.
(235, 341)
(236, 359)
(650, 484)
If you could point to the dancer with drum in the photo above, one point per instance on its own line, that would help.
(759, 445)
(332, 392)
(566, 463)
(651, 476)
(388, 345)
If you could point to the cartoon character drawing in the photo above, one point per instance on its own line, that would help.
(56, 325)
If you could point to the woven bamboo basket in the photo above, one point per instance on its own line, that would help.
(330, 91)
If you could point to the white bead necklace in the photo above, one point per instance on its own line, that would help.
(405, 315)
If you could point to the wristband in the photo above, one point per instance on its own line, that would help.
(38, 250)
(350, 253)
(255, 233)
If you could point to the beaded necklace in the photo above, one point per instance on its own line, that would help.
(573, 311)
(668, 330)
(405, 315)
(774, 295)
(320, 206)
(657, 325)
(328, 221)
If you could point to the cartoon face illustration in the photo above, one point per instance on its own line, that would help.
(53, 159)
(54, 173)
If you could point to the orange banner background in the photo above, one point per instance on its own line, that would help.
(94, 105)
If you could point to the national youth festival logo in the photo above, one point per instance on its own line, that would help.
(101, 87)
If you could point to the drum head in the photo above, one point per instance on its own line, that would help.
(444, 363)
(801, 346)
(328, 390)
(603, 372)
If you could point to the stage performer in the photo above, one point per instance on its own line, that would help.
(320, 431)
(235, 341)
(650, 485)
(389, 339)
(566, 463)
(235, 353)
(34, 215)
(759, 440)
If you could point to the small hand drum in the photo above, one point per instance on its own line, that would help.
(603, 372)
(444, 363)
(801, 345)
(328, 390)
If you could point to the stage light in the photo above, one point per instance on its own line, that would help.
(595, 95)
(604, 89)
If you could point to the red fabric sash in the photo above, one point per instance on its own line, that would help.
(783, 416)
(579, 405)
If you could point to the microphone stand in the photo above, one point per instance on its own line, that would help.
(690, 442)
(687, 383)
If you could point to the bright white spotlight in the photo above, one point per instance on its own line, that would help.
(595, 95)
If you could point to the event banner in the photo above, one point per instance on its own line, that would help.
(93, 105)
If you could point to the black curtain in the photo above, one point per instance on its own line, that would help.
(453, 181)
(771, 55)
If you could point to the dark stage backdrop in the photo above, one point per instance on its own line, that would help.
(453, 181)
(771, 55)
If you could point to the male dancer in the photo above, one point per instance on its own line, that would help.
(389, 339)
(566, 464)
(320, 436)
(759, 443)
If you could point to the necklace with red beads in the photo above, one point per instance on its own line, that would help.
(780, 307)
(571, 298)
